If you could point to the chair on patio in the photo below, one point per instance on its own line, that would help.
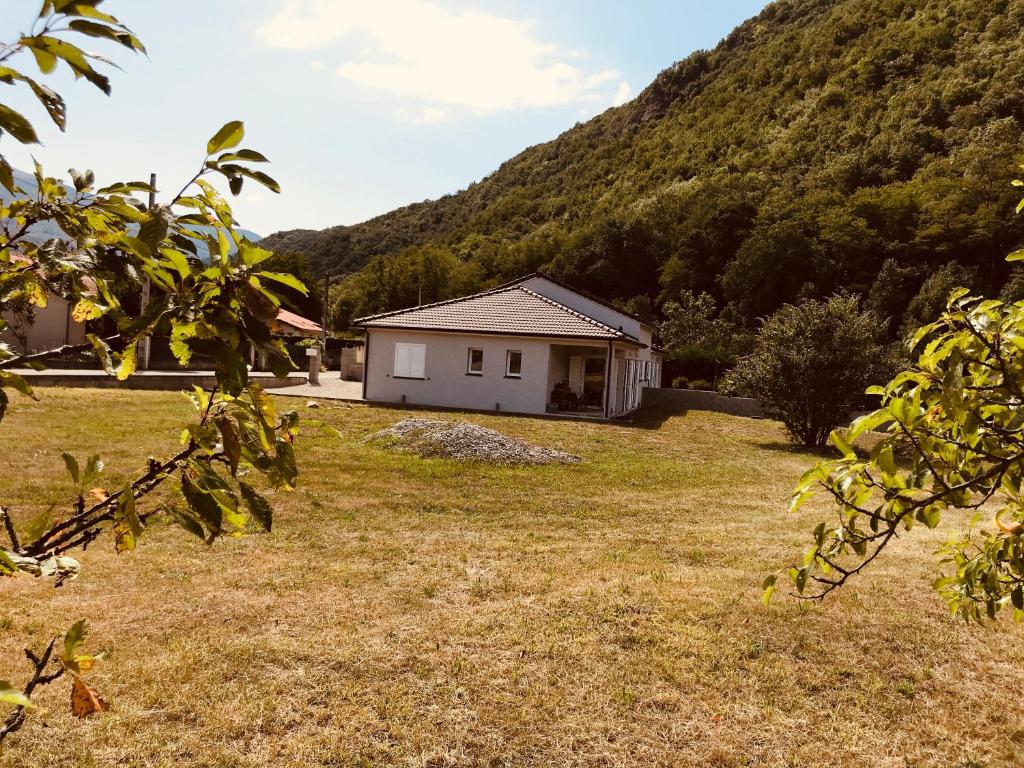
(564, 397)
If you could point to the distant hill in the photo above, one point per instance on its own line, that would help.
(818, 142)
(48, 230)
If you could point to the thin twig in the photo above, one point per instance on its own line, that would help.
(12, 534)
(66, 349)
(39, 677)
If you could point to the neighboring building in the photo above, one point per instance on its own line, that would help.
(50, 327)
(290, 324)
(534, 345)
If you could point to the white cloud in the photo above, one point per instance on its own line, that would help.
(442, 63)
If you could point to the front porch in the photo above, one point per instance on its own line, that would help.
(577, 380)
(596, 381)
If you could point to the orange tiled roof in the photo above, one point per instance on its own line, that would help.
(512, 310)
(298, 321)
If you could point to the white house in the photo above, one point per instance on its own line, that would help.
(534, 345)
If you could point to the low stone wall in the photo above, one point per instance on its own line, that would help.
(351, 368)
(146, 380)
(699, 400)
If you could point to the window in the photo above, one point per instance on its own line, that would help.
(475, 362)
(410, 360)
(514, 364)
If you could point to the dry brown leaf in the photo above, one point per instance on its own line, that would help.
(84, 700)
(99, 494)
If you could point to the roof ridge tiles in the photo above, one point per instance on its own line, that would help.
(393, 312)
(572, 311)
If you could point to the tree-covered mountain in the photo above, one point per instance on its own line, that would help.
(42, 231)
(824, 145)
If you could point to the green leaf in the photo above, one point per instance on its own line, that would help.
(11, 695)
(16, 382)
(72, 55)
(768, 589)
(1017, 255)
(17, 126)
(285, 279)
(257, 505)
(187, 521)
(228, 136)
(128, 363)
(51, 101)
(72, 464)
(262, 178)
(154, 227)
(127, 525)
(838, 439)
(74, 639)
(7, 176)
(93, 468)
(930, 515)
(249, 155)
(230, 441)
(7, 565)
(93, 29)
(45, 60)
(203, 505)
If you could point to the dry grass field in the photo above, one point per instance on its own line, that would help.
(421, 612)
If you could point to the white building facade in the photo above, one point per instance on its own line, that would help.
(532, 346)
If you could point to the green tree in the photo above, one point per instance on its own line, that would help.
(810, 365)
(697, 338)
(956, 413)
(930, 300)
(308, 303)
(237, 443)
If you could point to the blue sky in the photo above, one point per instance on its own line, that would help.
(361, 106)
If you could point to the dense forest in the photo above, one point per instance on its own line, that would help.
(864, 146)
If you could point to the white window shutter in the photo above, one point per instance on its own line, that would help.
(401, 366)
(417, 360)
(410, 360)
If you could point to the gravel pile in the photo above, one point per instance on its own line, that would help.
(463, 440)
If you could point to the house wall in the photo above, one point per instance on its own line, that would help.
(447, 384)
(51, 327)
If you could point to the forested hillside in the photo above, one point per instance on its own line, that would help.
(821, 144)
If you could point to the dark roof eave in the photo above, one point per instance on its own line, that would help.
(625, 338)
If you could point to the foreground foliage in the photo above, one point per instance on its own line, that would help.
(113, 244)
(958, 413)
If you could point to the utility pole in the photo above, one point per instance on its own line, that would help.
(326, 310)
(146, 342)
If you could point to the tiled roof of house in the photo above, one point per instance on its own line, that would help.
(513, 310)
(298, 321)
(585, 294)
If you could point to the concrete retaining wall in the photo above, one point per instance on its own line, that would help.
(145, 380)
(698, 400)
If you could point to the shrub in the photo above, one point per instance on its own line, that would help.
(811, 364)
(680, 382)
